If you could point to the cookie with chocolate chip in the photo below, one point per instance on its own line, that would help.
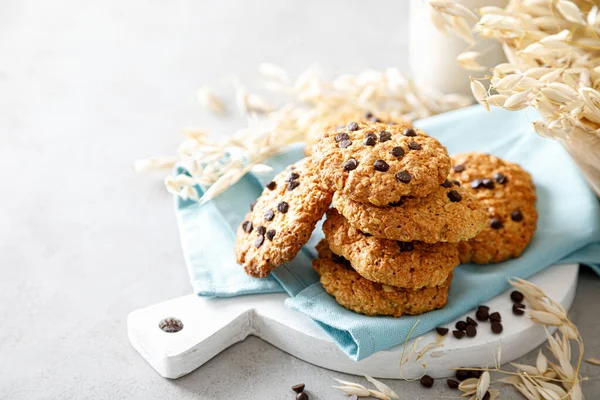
(449, 214)
(507, 193)
(411, 265)
(282, 219)
(376, 163)
(360, 295)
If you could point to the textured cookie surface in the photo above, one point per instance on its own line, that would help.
(358, 294)
(329, 122)
(377, 163)
(404, 264)
(282, 219)
(449, 214)
(507, 193)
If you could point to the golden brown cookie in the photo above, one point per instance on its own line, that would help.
(338, 118)
(409, 265)
(507, 193)
(376, 163)
(449, 214)
(360, 295)
(282, 219)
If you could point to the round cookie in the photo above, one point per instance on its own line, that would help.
(360, 295)
(337, 118)
(449, 214)
(282, 219)
(403, 264)
(507, 193)
(376, 163)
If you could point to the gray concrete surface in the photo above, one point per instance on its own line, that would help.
(86, 88)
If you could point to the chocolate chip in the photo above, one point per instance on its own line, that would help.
(252, 205)
(344, 143)
(458, 334)
(406, 246)
(366, 234)
(269, 215)
(471, 321)
(260, 230)
(476, 183)
(486, 396)
(410, 132)
(247, 226)
(350, 165)
(461, 325)
(370, 141)
(395, 203)
(483, 307)
(427, 381)
(446, 184)
(292, 176)
(487, 183)
(462, 374)
(397, 151)
(302, 396)
(441, 330)
(414, 146)
(403, 177)
(368, 114)
(495, 223)
(384, 136)
(283, 207)
(341, 137)
(516, 216)
(497, 327)
(371, 134)
(452, 384)
(299, 388)
(459, 168)
(457, 183)
(482, 315)
(516, 296)
(259, 241)
(293, 185)
(495, 316)
(352, 126)
(471, 331)
(454, 196)
(475, 373)
(271, 234)
(517, 309)
(381, 166)
(500, 178)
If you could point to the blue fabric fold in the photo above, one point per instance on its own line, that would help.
(568, 232)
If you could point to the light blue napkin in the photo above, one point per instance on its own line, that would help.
(568, 231)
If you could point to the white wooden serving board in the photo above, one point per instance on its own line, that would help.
(212, 325)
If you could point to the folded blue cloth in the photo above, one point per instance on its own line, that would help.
(568, 232)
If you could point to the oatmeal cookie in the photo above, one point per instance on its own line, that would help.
(376, 163)
(282, 219)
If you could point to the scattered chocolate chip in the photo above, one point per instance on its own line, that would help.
(283, 207)
(259, 241)
(292, 176)
(344, 143)
(406, 246)
(403, 176)
(461, 325)
(414, 146)
(482, 315)
(397, 151)
(350, 164)
(471, 331)
(518, 309)
(427, 381)
(495, 223)
(452, 384)
(271, 185)
(441, 330)
(395, 203)
(368, 114)
(485, 308)
(500, 178)
(341, 137)
(497, 327)
(516, 216)
(462, 374)
(487, 183)
(370, 141)
(269, 215)
(476, 183)
(384, 136)
(366, 234)
(252, 205)
(410, 132)
(446, 184)
(381, 166)
(495, 317)
(458, 334)
(271, 234)
(471, 321)
(454, 196)
(475, 373)
(293, 185)
(486, 396)
(352, 126)
(299, 388)
(516, 296)
(458, 168)
(457, 183)
(261, 230)
(302, 396)
(247, 226)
